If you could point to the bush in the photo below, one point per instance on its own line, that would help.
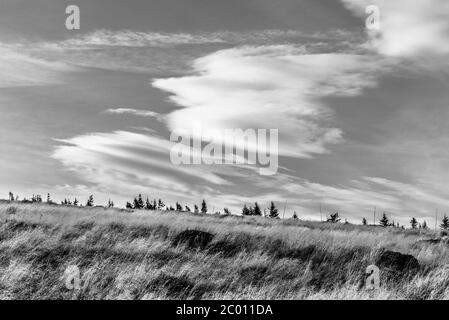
(194, 239)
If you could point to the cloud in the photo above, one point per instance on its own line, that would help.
(168, 53)
(18, 69)
(408, 28)
(131, 38)
(269, 87)
(136, 112)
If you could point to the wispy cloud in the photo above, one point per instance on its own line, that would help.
(19, 69)
(408, 28)
(130, 38)
(135, 112)
(274, 87)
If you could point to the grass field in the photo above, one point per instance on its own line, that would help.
(148, 255)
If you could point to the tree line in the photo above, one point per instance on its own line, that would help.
(271, 212)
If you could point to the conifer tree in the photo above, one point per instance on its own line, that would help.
(246, 211)
(364, 222)
(274, 212)
(256, 210)
(196, 208)
(295, 216)
(334, 218)
(445, 223)
(148, 205)
(90, 201)
(384, 222)
(140, 203)
(160, 204)
(178, 207)
(203, 207)
(413, 223)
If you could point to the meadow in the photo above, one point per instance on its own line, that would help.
(138, 254)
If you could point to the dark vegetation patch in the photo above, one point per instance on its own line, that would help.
(178, 287)
(20, 226)
(115, 227)
(164, 257)
(84, 226)
(254, 274)
(77, 231)
(226, 248)
(193, 239)
(232, 245)
(160, 231)
(396, 266)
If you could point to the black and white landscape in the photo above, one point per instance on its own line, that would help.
(165, 149)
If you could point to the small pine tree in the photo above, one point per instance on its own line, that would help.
(178, 207)
(203, 207)
(424, 225)
(140, 203)
(129, 205)
(48, 198)
(154, 204)
(75, 202)
(364, 222)
(160, 204)
(384, 222)
(274, 212)
(246, 211)
(445, 223)
(295, 216)
(226, 211)
(256, 210)
(90, 201)
(110, 204)
(188, 209)
(334, 218)
(196, 208)
(414, 223)
(148, 205)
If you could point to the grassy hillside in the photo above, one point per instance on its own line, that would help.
(148, 254)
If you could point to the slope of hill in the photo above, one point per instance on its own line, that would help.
(123, 254)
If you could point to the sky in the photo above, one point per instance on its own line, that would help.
(361, 114)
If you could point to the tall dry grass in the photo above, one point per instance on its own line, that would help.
(148, 255)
